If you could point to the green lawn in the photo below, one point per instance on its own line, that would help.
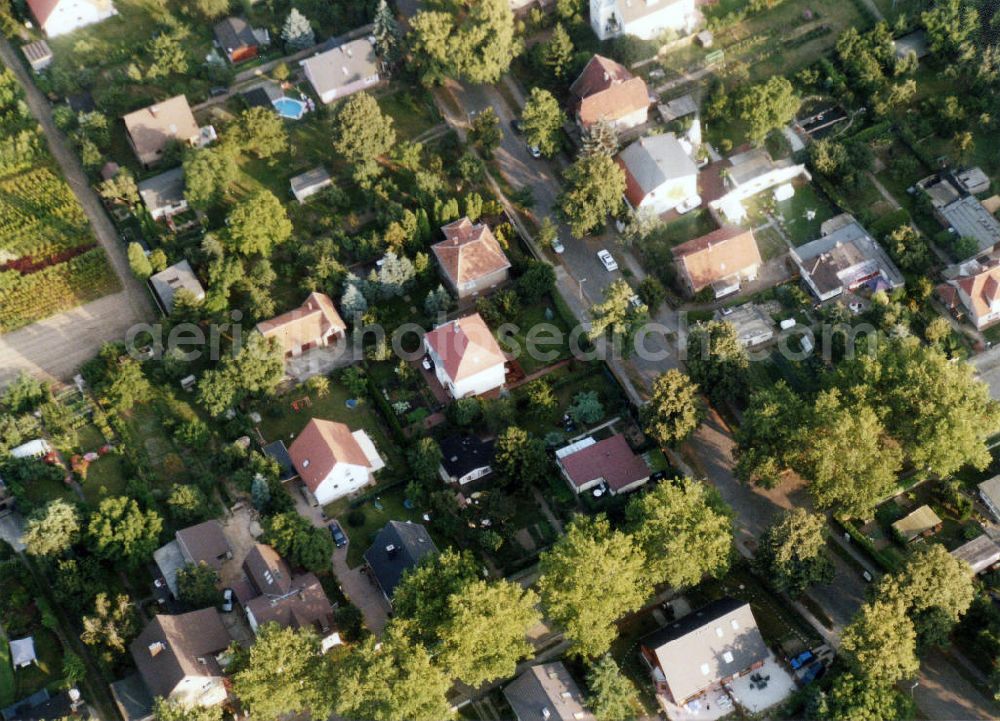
(795, 212)
(105, 478)
(412, 110)
(541, 322)
(770, 243)
(361, 537)
(40, 492)
(566, 384)
(7, 685)
(48, 671)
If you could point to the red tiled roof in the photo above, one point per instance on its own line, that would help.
(611, 459)
(41, 9)
(718, 255)
(469, 252)
(982, 288)
(309, 323)
(607, 90)
(466, 347)
(321, 445)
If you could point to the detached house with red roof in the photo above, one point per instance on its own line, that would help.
(470, 258)
(977, 292)
(607, 91)
(722, 260)
(314, 324)
(587, 464)
(467, 360)
(660, 175)
(58, 17)
(334, 461)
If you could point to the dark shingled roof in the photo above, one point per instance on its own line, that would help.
(464, 454)
(279, 452)
(397, 548)
(234, 33)
(548, 687)
(132, 698)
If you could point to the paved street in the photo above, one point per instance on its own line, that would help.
(55, 347)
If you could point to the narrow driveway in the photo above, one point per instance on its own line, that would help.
(56, 346)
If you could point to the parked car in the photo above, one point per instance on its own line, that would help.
(607, 260)
(218, 91)
(557, 246)
(338, 535)
(535, 151)
(227, 600)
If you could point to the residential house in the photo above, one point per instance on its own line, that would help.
(660, 175)
(982, 554)
(59, 17)
(132, 699)
(334, 461)
(989, 492)
(467, 360)
(36, 448)
(607, 91)
(178, 657)
(343, 70)
(746, 174)
(201, 543)
(845, 258)
(38, 54)
(958, 210)
(290, 601)
(610, 464)
(6, 499)
(173, 279)
(314, 324)
(976, 291)
(236, 39)
(163, 194)
(465, 458)
(920, 523)
(705, 649)
(646, 19)
(753, 324)
(309, 183)
(278, 451)
(152, 129)
(45, 706)
(547, 692)
(470, 258)
(722, 260)
(397, 548)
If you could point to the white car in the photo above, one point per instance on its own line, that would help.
(557, 246)
(535, 151)
(607, 260)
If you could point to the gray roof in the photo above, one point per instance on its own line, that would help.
(189, 641)
(170, 560)
(397, 548)
(343, 65)
(744, 167)
(980, 553)
(707, 645)
(279, 452)
(991, 489)
(678, 108)
(849, 249)
(204, 542)
(132, 698)
(37, 51)
(163, 190)
(915, 42)
(234, 33)
(657, 159)
(971, 220)
(311, 178)
(178, 276)
(546, 686)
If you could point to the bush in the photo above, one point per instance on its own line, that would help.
(356, 518)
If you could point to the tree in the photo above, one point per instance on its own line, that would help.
(395, 274)
(652, 293)
(205, 9)
(299, 541)
(386, 32)
(169, 52)
(792, 552)
(138, 262)
(601, 138)
(121, 532)
(931, 579)
(855, 698)
(457, 39)
(908, 249)
(424, 458)
(880, 643)
(362, 133)
(949, 25)
(540, 398)
(260, 490)
(164, 710)
(612, 695)
(542, 120)
(197, 585)
(584, 603)
(684, 530)
(52, 530)
(557, 52)
(284, 674)
(768, 106)
(297, 31)
(257, 368)
(121, 188)
(850, 462)
(437, 301)
(770, 435)
(258, 223)
(113, 624)
(537, 280)
(261, 131)
(520, 457)
(421, 598)
(586, 408)
(717, 361)
(594, 188)
(486, 132)
(673, 411)
(618, 314)
(208, 173)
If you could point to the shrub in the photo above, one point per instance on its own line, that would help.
(356, 518)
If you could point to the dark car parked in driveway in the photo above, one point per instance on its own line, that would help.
(338, 535)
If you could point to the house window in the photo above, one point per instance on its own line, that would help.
(727, 657)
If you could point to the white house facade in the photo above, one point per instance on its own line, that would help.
(646, 19)
(467, 360)
(59, 17)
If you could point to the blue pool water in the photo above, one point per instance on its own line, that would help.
(290, 108)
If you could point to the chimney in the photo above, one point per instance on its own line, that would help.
(156, 647)
(390, 551)
(546, 713)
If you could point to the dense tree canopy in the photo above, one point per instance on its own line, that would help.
(612, 695)
(302, 543)
(520, 457)
(768, 106)
(792, 552)
(594, 185)
(617, 315)
(770, 435)
(261, 131)
(258, 224)
(717, 361)
(542, 119)
(674, 410)
(362, 133)
(257, 368)
(856, 698)
(880, 643)
(208, 173)
(197, 585)
(684, 529)
(52, 529)
(121, 532)
(587, 604)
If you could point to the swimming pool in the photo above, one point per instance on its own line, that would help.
(290, 108)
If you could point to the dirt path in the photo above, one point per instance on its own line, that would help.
(56, 346)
